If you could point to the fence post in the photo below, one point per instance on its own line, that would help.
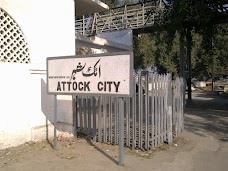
(110, 20)
(75, 118)
(169, 125)
(125, 16)
(143, 12)
(83, 25)
(99, 119)
(94, 119)
(169, 112)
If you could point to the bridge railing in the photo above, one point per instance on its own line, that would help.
(128, 17)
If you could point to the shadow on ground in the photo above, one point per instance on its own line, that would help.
(208, 100)
(207, 112)
(93, 144)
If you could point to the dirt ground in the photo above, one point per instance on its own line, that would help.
(202, 146)
(81, 154)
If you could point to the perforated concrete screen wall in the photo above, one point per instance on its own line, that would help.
(13, 45)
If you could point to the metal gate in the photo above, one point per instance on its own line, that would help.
(148, 115)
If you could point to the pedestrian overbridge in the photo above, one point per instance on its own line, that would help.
(135, 16)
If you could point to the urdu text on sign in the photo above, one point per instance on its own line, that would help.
(103, 74)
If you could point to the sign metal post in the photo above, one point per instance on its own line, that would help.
(55, 121)
(121, 132)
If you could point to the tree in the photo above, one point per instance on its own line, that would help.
(153, 49)
(144, 51)
(213, 62)
(188, 16)
(110, 3)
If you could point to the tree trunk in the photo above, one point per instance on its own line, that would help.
(189, 38)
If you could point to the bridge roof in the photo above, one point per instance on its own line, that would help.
(84, 7)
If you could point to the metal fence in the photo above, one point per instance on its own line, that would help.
(151, 117)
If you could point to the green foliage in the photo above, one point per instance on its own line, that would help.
(154, 50)
(208, 45)
(213, 61)
(110, 3)
(144, 50)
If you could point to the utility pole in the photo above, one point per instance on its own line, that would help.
(182, 54)
(213, 65)
(181, 72)
(188, 37)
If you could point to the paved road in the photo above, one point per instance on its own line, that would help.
(208, 100)
(207, 119)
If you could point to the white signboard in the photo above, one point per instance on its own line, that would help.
(101, 74)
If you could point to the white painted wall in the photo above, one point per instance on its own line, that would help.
(25, 108)
(122, 37)
(48, 26)
(107, 42)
